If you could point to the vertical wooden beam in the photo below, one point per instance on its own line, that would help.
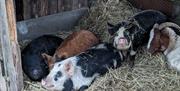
(10, 47)
(75, 4)
(2, 80)
(19, 10)
(68, 5)
(60, 5)
(52, 6)
(83, 3)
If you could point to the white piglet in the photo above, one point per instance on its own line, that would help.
(78, 72)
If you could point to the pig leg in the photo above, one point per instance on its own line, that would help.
(132, 59)
(132, 55)
(128, 58)
(83, 88)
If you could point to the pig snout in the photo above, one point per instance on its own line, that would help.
(47, 83)
(122, 41)
(36, 74)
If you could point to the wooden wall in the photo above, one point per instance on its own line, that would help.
(11, 76)
(27, 9)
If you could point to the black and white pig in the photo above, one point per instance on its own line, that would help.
(129, 35)
(78, 72)
(33, 63)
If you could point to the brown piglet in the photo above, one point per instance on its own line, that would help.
(75, 43)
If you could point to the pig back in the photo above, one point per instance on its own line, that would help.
(76, 43)
(98, 60)
(33, 64)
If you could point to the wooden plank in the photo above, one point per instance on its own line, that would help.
(75, 4)
(52, 24)
(19, 10)
(16, 53)
(11, 19)
(60, 5)
(26, 9)
(52, 6)
(39, 8)
(2, 80)
(83, 3)
(10, 47)
(68, 5)
(35, 8)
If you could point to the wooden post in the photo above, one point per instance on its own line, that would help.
(2, 80)
(10, 47)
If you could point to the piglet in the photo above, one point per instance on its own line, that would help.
(78, 72)
(129, 35)
(75, 43)
(33, 63)
(164, 38)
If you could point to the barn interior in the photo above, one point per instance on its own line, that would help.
(150, 73)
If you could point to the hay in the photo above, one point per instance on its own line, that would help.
(150, 73)
(105, 11)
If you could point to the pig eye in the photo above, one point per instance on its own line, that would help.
(116, 34)
(59, 74)
(59, 65)
(127, 32)
(63, 57)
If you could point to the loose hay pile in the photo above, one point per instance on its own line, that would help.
(150, 73)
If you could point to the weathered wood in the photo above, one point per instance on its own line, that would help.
(2, 80)
(39, 8)
(67, 5)
(19, 9)
(14, 43)
(52, 7)
(60, 5)
(52, 24)
(82, 3)
(10, 47)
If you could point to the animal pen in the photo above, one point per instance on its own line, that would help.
(27, 19)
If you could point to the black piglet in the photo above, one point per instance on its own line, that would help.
(33, 63)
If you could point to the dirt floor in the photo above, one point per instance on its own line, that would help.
(150, 73)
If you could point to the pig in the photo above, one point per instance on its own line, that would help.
(33, 63)
(78, 72)
(164, 38)
(127, 36)
(74, 44)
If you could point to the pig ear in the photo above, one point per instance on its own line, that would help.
(48, 60)
(156, 25)
(69, 68)
(46, 56)
(110, 28)
(110, 25)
